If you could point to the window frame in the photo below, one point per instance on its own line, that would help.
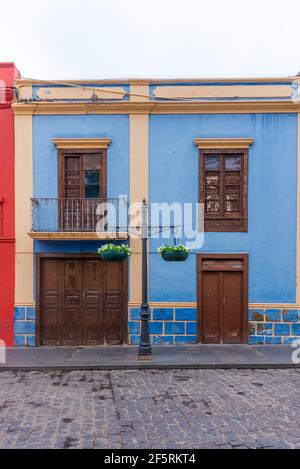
(226, 223)
(62, 153)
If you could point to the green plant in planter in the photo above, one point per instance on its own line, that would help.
(114, 252)
(177, 253)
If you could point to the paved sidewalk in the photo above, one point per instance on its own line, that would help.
(125, 357)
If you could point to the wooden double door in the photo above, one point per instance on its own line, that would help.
(223, 298)
(82, 300)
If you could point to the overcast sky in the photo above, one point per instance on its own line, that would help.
(60, 39)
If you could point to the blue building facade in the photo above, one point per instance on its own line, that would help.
(153, 135)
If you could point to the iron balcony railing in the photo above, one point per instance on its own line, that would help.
(54, 215)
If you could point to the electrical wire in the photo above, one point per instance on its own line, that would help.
(78, 85)
(98, 88)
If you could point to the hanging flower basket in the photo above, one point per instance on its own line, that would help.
(114, 252)
(177, 253)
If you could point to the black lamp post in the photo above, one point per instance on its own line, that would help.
(145, 351)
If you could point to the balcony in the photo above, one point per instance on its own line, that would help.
(79, 218)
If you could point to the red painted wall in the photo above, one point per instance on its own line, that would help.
(8, 73)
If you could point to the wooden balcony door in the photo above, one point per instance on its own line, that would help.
(82, 186)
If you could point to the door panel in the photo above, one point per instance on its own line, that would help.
(82, 301)
(50, 302)
(113, 303)
(232, 307)
(211, 307)
(92, 303)
(70, 208)
(72, 303)
(72, 177)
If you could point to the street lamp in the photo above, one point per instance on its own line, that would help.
(145, 350)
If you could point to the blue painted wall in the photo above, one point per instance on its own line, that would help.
(271, 237)
(45, 128)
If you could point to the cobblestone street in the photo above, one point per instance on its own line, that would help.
(150, 409)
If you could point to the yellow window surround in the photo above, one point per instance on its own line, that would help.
(223, 143)
(81, 143)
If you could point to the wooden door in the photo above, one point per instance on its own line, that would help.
(92, 302)
(222, 298)
(70, 203)
(50, 302)
(232, 307)
(114, 300)
(211, 306)
(82, 301)
(71, 295)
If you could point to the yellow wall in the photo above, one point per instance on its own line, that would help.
(23, 193)
(139, 135)
(298, 221)
(218, 91)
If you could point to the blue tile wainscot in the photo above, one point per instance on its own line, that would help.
(168, 326)
(24, 326)
(172, 326)
(273, 326)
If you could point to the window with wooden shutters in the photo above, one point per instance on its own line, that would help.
(223, 183)
(82, 174)
(82, 186)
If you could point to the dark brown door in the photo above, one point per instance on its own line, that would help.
(222, 298)
(92, 304)
(83, 301)
(72, 302)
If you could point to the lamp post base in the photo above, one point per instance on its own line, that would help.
(144, 357)
(145, 349)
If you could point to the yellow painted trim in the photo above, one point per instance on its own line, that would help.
(32, 81)
(193, 304)
(223, 143)
(134, 304)
(298, 220)
(78, 235)
(23, 194)
(154, 107)
(139, 149)
(275, 305)
(24, 304)
(81, 143)
(139, 92)
(76, 92)
(228, 91)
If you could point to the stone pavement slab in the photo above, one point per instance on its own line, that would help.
(150, 409)
(125, 357)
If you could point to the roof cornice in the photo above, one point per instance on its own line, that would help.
(107, 81)
(156, 107)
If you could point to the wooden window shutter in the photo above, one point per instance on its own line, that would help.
(223, 189)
